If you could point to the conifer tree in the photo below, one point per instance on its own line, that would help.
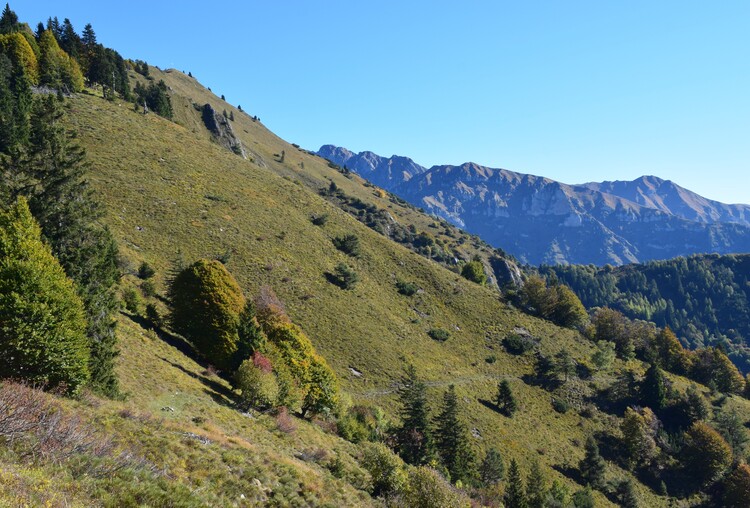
(8, 21)
(592, 465)
(42, 319)
(696, 407)
(515, 493)
(413, 437)
(732, 428)
(506, 401)
(250, 336)
(536, 487)
(654, 388)
(452, 439)
(628, 495)
(492, 468)
(49, 170)
(565, 364)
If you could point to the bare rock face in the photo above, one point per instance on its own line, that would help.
(222, 131)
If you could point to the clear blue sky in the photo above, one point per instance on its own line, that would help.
(576, 91)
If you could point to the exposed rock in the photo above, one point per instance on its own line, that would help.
(221, 129)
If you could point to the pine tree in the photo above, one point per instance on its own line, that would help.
(88, 36)
(536, 487)
(506, 401)
(654, 388)
(592, 466)
(452, 439)
(515, 494)
(565, 364)
(413, 437)
(42, 319)
(492, 468)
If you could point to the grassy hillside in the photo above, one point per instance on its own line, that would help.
(173, 195)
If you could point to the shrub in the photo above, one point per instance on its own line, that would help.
(474, 271)
(345, 277)
(348, 244)
(385, 468)
(132, 300)
(518, 344)
(258, 385)
(560, 405)
(145, 271)
(319, 220)
(152, 315)
(148, 288)
(439, 334)
(42, 318)
(427, 488)
(206, 304)
(407, 288)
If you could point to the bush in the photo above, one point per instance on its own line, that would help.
(206, 304)
(385, 468)
(348, 244)
(148, 288)
(132, 300)
(345, 277)
(560, 405)
(257, 383)
(145, 271)
(152, 315)
(519, 344)
(407, 288)
(428, 489)
(319, 220)
(439, 334)
(474, 271)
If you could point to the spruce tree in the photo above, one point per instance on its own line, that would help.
(628, 495)
(654, 388)
(536, 487)
(592, 466)
(8, 21)
(43, 324)
(492, 468)
(413, 437)
(452, 439)
(506, 401)
(515, 493)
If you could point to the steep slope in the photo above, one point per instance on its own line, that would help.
(539, 220)
(170, 193)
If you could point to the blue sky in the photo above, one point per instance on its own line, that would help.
(576, 91)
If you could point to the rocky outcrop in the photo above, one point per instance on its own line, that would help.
(221, 129)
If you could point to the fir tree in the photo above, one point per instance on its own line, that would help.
(654, 388)
(413, 437)
(50, 173)
(8, 21)
(88, 36)
(536, 487)
(592, 466)
(492, 468)
(628, 495)
(452, 439)
(515, 494)
(506, 401)
(250, 336)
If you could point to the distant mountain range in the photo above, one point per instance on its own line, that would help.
(542, 221)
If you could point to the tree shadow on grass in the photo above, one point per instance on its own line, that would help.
(217, 391)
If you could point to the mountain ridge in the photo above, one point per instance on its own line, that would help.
(599, 223)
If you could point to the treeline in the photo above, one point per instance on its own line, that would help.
(704, 299)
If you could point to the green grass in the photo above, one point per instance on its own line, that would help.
(171, 193)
